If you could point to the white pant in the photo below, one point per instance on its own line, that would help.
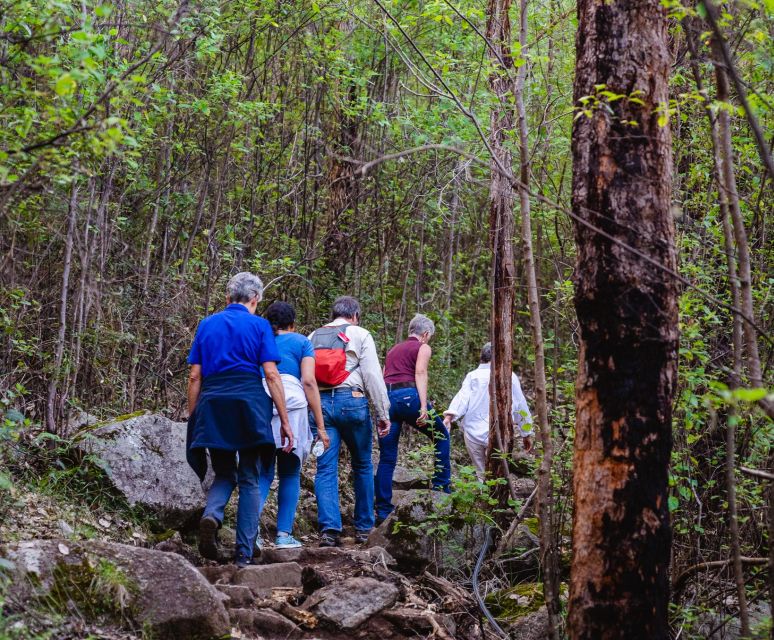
(477, 452)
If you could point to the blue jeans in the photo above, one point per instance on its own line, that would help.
(404, 408)
(289, 472)
(347, 420)
(228, 474)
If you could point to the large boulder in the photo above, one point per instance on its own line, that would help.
(157, 593)
(144, 458)
(424, 531)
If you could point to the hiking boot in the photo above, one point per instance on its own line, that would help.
(330, 539)
(286, 542)
(258, 543)
(243, 561)
(361, 537)
(208, 537)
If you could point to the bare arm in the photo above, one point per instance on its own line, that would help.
(274, 382)
(420, 377)
(194, 386)
(313, 396)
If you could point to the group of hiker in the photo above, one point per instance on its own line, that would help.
(262, 398)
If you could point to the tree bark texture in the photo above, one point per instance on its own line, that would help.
(501, 230)
(627, 313)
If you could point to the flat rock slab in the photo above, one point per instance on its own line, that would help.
(349, 604)
(262, 578)
(161, 593)
(144, 459)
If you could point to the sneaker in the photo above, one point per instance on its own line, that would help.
(330, 539)
(258, 543)
(208, 537)
(361, 537)
(286, 542)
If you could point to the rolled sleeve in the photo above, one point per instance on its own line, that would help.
(371, 372)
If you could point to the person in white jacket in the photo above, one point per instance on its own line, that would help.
(471, 404)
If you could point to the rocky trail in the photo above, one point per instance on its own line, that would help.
(410, 580)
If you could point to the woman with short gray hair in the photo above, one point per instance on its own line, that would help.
(230, 414)
(405, 373)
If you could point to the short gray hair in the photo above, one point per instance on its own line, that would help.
(486, 353)
(345, 307)
(244, 286)
(421, 324)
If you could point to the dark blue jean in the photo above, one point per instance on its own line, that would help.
(404, 408)
(288, 489)
(347, 420)
(246, 474)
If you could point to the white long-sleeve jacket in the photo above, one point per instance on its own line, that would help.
(472, 405)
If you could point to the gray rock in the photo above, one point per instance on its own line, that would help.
(405, 479)
(533, 626)
(350, 603)
(270, 622)
(144, 458)
(275, 556)
(219, 574)
(238, 595)
(423, 531)
(160, 593)
(264, 577)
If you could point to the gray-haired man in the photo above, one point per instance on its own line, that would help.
(471, 404)
(347, 368)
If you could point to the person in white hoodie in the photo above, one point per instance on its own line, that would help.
(471, 405)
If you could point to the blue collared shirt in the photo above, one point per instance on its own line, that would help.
(233, 340)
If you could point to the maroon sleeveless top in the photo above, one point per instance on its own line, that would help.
(401, 362)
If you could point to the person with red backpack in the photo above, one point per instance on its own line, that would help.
(348, 374)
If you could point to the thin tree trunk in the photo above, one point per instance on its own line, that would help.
(721, 174)
(501, 230)
(627, 315)
(51, 404)
(548, 560)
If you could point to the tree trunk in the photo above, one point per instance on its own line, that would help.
(627, 314)
(501, 230)
(548, 559)
(52, 416)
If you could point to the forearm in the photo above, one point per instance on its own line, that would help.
(194, 387)
(313, 398)
(421, 380)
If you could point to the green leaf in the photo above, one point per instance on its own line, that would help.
(66, 85)
(750, 395)
(673, 504)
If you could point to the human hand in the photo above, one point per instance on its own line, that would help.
(447, 421)
(527, 444)
(382, 427)
(286, 433)
(423, 416)
(322, 434)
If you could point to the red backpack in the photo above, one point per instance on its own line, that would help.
(330, 355)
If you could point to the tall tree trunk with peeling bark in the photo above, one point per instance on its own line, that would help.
(501, 230)
(627, 313)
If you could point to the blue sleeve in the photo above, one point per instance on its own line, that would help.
(267, 351)
(307, 350)
(195, 355)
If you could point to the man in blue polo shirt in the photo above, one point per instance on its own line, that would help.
(230, 412)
